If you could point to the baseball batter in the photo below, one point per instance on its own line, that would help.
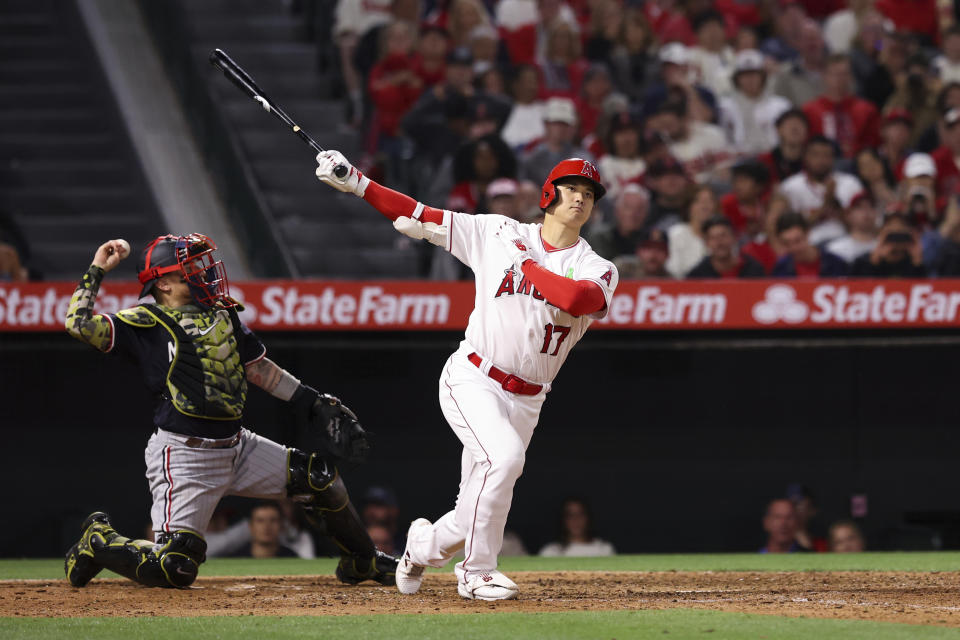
(198, 358)
(538, 288)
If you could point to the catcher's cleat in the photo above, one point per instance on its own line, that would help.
(79, 565)
(410, 575)
(381, 568)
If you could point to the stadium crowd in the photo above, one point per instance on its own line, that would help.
(736, 138)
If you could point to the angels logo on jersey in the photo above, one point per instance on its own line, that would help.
(525, 287)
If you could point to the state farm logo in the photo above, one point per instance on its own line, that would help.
(780, 303)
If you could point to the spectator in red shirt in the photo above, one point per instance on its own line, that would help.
(723, 260)
(430, 61)
(394, 86)
(746, 207)
(786, 158)
(913, 16)
(947, 156)
(820, 9)
(853, 123)
(802, 258)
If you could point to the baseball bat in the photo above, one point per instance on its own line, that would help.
(246, 84)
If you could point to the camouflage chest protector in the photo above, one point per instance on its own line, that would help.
(206, 378)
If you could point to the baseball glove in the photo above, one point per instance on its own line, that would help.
(325, 425)
(344, 438)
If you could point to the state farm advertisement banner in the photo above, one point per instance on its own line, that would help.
(306, 305)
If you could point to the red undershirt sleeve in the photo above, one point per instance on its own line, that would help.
(576, 297)
(394, 204)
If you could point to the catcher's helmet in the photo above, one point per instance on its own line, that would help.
(192, 257)
(570, 168)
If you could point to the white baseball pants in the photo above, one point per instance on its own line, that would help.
(495, 427)
(187, 483)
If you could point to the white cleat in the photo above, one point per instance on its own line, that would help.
(488, 585)
(410, 575)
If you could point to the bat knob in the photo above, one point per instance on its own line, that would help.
(340, 171)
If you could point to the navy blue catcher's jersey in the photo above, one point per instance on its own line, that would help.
(138, 334)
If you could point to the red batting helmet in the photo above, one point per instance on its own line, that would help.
(570, 168)
(192, 256)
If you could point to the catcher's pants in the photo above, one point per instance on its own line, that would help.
(187, 482)
(495, 427)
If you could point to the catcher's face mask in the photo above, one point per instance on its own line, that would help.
(206, 276)
(192, 257)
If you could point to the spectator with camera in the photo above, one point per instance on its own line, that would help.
(898, 253)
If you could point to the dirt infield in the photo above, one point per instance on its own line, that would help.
(916, 598)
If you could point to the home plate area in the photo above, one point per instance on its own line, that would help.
(915, 598)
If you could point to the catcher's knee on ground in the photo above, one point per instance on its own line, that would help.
(174, 561)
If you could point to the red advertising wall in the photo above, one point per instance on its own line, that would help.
(286, 305)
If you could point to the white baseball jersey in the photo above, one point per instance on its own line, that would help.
(512, 325)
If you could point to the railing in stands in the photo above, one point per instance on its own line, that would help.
(218, 142)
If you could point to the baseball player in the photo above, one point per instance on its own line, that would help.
(538, 288)
(198, 357)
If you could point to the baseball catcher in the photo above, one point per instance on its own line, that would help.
(198, 357)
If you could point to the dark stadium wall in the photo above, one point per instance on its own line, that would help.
(678, 442)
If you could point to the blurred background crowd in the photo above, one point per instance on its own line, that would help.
(791, 523)
(736, 138)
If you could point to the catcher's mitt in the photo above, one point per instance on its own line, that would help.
(342, 434)
(325, 425)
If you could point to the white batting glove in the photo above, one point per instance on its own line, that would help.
(514, 245)
(429, 231)
(352, 182)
